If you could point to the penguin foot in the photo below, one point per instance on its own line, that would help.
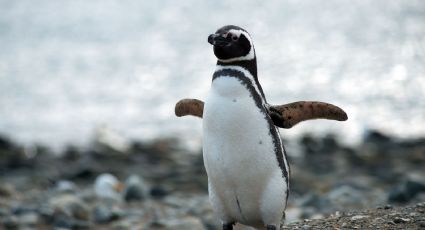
(271, 227)
(228, 226)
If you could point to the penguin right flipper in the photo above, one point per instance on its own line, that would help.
(187, 106)
(288, 115)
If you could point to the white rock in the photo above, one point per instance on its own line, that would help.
(108, 186)
(358, 217)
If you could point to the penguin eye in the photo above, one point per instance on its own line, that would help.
(234, 37)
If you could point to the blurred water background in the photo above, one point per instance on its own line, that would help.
(68, 67)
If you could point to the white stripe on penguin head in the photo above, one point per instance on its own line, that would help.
(251, 53)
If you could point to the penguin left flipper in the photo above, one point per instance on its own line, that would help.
(283, 116)
(288, 115)
(188, 106)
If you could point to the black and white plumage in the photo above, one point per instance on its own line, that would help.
(248, 173)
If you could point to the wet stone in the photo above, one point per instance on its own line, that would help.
(134, 189)
(399, 220)
(388, 206)
(4, 212)
(63, 221)
(10, 222)
(104, 214)
(158, 192)
(28, 219)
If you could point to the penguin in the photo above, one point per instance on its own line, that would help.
(245, 160)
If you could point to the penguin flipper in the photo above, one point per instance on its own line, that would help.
(288, 115)
(189, 106)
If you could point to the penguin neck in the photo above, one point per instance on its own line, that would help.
(251, 66)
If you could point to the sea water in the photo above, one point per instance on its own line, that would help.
(69, 67)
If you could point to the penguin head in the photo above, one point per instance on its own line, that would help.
(232, 43)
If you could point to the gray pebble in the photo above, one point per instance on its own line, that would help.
(104, 214)
(29, 218)
(184, 223)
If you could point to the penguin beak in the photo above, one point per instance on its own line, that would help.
(217, 40)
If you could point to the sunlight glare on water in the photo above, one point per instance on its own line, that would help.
(67, 67)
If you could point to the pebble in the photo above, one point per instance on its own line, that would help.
(70, 206)
(407, 190)
(66, 186)
(7, 190)
(104, 214)
(400, 220)
(62, 221)
(135, 189)
(390, 223)
(188, 222)
(29, 219)
(107, 186)
(388, 206)
(158, 192)
(22, 209)
(123, 225)
(306, 227)
(358, 217)
(420, 205)
(11, 222)
(4, 212)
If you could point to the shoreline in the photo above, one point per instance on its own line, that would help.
(326, 176)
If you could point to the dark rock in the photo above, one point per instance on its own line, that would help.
(63, 221)
(375, 136)
(158, 192)
(309, 144)
(388, 206)
(71, 153)
(135, 189)
(11, 222)
(6, 144)
(406, 191)
(12, 156)
(23, 209)
(399, 220)
(83, 172)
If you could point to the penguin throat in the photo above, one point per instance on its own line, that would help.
(250, 65)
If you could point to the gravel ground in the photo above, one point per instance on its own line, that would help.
(161, 185)
(387, 217)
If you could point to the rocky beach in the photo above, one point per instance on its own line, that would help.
(160, 184)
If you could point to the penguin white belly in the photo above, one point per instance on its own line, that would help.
(239, 156)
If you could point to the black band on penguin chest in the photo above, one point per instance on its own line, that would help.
(278, 147)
